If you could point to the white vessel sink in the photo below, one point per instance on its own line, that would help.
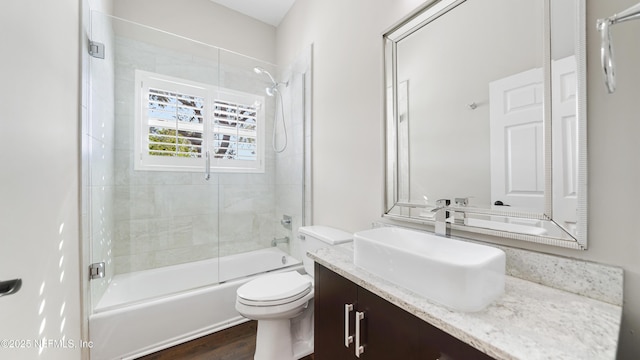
(460, 275)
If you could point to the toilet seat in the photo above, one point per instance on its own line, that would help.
(275, 289)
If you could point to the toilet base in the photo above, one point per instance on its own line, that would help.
(285, 339)
(302, 333)
(273, 341)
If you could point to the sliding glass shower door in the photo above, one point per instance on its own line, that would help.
(181, 167)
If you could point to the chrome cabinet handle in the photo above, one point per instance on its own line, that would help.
(207, 169)
(10, 287)
(348, 339)
(359, 348)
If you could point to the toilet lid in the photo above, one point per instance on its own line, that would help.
(275, 287)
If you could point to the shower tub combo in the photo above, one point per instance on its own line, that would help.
(146, 311)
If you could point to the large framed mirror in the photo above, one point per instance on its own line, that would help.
(486, 107)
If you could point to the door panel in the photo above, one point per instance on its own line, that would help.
(332, 292)
(392, 333)
(565, 143)
(517, 141)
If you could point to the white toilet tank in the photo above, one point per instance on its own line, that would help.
(316, 237)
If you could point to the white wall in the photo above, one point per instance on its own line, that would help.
(614, 168)
(39, 180)
(347, 96)
(348, 166)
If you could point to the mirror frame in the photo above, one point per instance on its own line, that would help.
(422, 16)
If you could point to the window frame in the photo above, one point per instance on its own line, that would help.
(143, 161)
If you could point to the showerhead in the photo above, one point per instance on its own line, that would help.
(273, 89)
(259, 70)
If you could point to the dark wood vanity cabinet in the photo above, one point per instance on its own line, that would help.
(386, 331)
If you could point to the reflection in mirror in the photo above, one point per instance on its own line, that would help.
(479, 93)
(564, 117)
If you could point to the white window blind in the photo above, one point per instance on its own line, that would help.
(179, 121)
(175, 123)
(235, 131)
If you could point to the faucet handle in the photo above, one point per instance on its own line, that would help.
(443, 202)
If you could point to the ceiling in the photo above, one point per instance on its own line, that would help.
(268, 11)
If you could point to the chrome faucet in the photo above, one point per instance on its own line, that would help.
(442, 226)
(277, 241)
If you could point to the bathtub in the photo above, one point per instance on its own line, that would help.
(146, 311)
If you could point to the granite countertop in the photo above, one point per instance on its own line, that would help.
(529, 321)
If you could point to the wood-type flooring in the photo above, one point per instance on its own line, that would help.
(235, 343)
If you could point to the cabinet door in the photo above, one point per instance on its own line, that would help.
(332, 292)
(390, 332)
(393, 333)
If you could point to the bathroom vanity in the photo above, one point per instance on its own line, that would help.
(385, 321)
(385, 330)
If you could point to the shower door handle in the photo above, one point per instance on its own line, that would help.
(10, 287)
(207, 166)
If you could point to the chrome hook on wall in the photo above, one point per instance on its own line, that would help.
(606, 46)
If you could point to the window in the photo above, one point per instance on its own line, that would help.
(179, 121)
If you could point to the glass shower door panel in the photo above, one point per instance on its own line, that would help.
(98, 134)
(254, 206)
(247, 198)
(145, 220)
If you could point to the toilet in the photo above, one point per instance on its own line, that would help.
(282, 303)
